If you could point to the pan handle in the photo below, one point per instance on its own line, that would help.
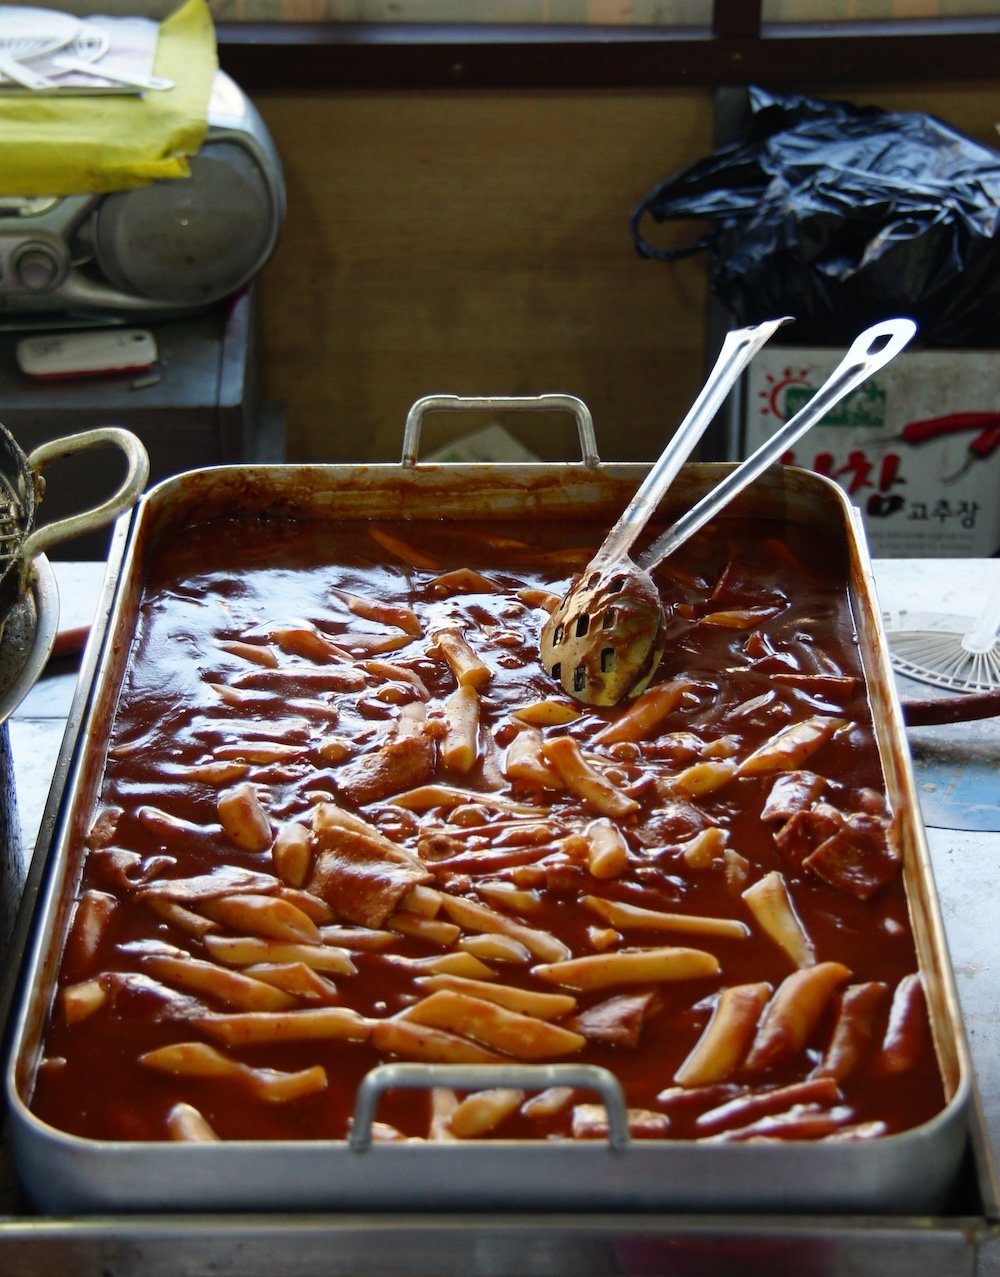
(88, 520)
(500, 403)
(474, 1077)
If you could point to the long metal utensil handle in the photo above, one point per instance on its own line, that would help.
(738, 349)
(872, 350)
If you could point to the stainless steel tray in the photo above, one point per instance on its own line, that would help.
(913, 1172)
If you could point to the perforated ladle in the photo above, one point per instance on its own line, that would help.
(605, 639)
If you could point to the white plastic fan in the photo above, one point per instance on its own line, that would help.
(88, 45)
(28, 33)
(962, 661)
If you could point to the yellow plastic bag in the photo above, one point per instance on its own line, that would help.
(75, 145)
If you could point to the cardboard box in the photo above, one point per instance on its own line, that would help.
(917, 447)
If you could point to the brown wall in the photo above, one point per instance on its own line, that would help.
(478, 243)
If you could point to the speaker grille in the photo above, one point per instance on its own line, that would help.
(191, 241)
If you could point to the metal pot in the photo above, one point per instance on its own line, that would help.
(22, 486)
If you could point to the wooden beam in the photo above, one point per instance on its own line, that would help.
(736, 19)
(288, 57)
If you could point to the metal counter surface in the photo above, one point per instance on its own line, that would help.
(957, 771)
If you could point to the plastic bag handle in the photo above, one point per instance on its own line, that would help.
(700, 245)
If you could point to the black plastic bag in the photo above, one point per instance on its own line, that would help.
(841, 216)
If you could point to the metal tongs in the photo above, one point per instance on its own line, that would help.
(605, 639)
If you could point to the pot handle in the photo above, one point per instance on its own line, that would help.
(88, 520)
(474, 1077)
(500, 403)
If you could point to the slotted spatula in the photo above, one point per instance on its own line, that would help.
(605, 639)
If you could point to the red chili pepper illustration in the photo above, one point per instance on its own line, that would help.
(954, 423)
(980, 448)
(983, 446)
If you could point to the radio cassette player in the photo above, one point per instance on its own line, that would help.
(169, 248)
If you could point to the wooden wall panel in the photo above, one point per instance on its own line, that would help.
(477, 243)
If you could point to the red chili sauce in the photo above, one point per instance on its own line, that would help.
(188, 700)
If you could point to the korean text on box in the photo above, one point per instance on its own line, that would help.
(917, 447)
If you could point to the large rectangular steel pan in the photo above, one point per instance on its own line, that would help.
(906, 1173)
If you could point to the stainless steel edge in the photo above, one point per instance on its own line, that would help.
(478, 1245)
